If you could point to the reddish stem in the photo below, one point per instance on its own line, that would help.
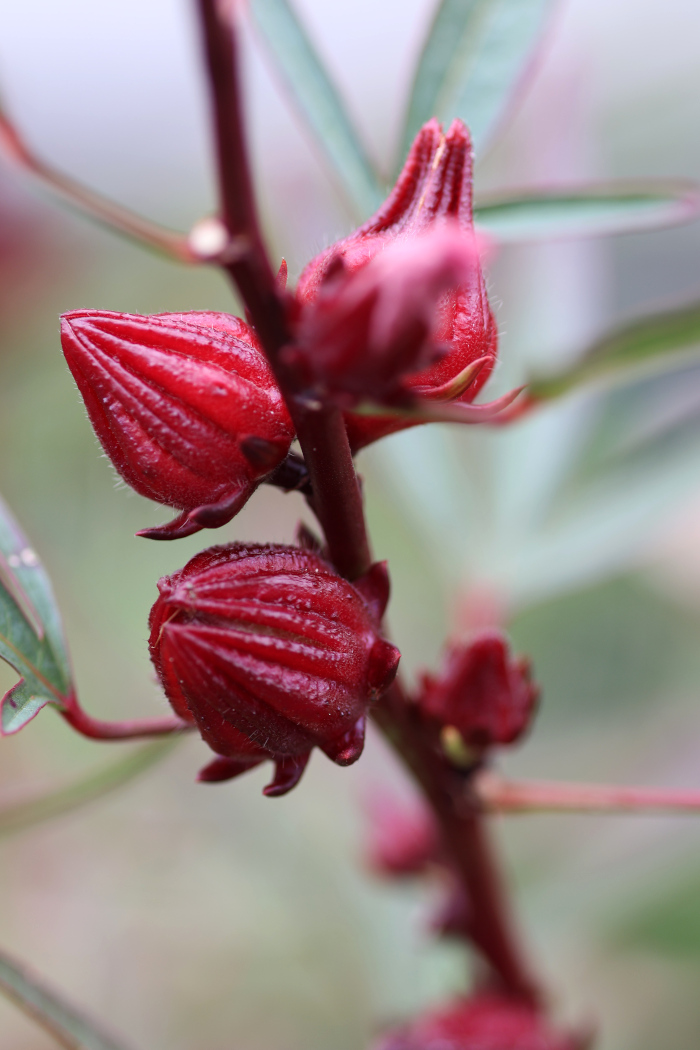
(96, 206)
(96, 729)
(466, 841)
(337, 499)
(527, 796)
(247, 262)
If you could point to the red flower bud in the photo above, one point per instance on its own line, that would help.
(270, 653)
(482, 692)
(434, 186)
(185, 406)
(403, 840)
(481, 1022)
(371, 328)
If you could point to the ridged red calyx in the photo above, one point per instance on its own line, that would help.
(185, 406)
(368, 330)
(482, 691)
(270, 654)
(481, 1022)
(434, 188)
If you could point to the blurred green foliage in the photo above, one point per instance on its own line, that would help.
(609, 650)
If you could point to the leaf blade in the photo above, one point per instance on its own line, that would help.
(19, 706)
(475, 53)
(587, 211)
(656, 343)
(64, 1022)
(317, 101)
(31, 634)
(25, 566)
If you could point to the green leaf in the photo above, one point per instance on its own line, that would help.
(607, 508)
(587, 211)
(657, 343)
(31, 635)
(317, 100)
(19, 705)
(576, 639)
(61, 1020)
(668, 924)
(472, 60)
(21, 815)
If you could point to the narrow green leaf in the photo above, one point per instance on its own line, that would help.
(667, 923)
(473, 58)
(21, 815)
(61, 1020)
(656, 343)
(317, 100)
(19, 562)
(587, 211)
(31, 635)
(19, 706)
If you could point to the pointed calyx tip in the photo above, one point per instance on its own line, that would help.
(398, 312)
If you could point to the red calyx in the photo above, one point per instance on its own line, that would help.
(434, 188)
(481, 691)
(185, 406)
(270, 654)
(481, 1022)
(370, 328)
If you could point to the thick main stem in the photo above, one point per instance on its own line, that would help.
(337, 499)
(466, 841)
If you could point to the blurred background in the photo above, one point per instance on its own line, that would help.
(196, 916)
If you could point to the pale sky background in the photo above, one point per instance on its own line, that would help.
(113, 93)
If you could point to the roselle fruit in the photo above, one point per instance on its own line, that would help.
(372, 327)
(481, 1022)
(482, 691)
(434, 188)
(184, 405)
(271, 653)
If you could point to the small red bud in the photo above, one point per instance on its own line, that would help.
(434, 187)
(403, 840)
(481, 1022)
(270, 653)
(482, 692)
(185, 406)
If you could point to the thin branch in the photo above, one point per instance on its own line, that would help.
(67, 1024)
(163, 240)
(96, 729)
(542, 796)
